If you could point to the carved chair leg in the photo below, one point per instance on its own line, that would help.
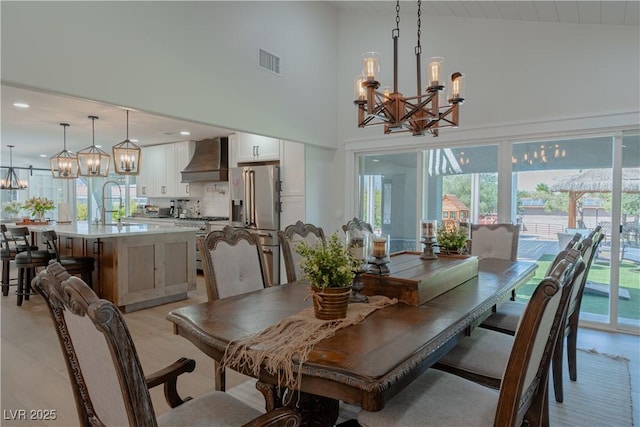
(556, 368)
(219, 377)
(271, 398)
(572, 338)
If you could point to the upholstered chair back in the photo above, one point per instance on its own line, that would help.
(499, 241)
(232, 262)
(289, 238)
(357, 224)
(525, 378)
(108, 382)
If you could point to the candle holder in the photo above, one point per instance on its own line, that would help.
(428, 252)
(358, 245)
(429, 229)
(379, 256)
(357, 287)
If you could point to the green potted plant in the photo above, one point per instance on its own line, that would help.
(39, 206)
(452, 239)
(328, 267)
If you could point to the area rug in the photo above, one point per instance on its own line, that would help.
(600, 397)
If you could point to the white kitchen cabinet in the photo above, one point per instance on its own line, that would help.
(293, 209)
(164, 181)
(160, 173)
(292, 168)
(144, 181)
(183, 152)
(247, 148)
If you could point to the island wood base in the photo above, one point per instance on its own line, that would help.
(139, 271)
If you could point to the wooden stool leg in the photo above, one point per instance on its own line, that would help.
(20, 286)
(27, 283)
(6, 264)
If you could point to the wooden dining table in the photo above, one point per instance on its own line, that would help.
(365, 364)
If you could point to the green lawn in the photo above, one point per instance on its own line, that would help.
(599, 273)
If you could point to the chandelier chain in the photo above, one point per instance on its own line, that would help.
(418, 46)
(398, 15)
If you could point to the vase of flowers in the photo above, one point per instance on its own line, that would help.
(39, 206)
(328, 267)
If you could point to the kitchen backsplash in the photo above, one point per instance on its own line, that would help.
(214, 201)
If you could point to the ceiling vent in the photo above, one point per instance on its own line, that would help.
(268, 61)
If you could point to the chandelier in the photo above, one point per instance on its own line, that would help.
(64, 165)
(11, 180)
(92, 161)
(126, 156)
(418, 114)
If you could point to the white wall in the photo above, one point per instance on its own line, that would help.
(191, 60)
(320, 187)
(516, 72)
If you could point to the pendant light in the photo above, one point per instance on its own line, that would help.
(11, 180)
(126, 156)
(64, 165)
(92, 161)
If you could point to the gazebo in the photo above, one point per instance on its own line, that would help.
(594, 181)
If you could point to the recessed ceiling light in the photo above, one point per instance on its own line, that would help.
(185, 132)
(375, 160)
(43, 155)
(134, 140)
(20, 105)
(99, 146)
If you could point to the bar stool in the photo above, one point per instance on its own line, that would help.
(9, 250)
(27, 261)
(82, 265)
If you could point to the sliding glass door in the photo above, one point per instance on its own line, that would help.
(552, 188)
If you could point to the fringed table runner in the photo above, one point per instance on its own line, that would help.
(274, 348)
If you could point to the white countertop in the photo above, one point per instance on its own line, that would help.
(83, 229)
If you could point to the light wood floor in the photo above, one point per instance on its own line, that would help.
(34, 376)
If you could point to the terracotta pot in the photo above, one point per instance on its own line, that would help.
(331, 303)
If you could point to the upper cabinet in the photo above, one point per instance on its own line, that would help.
(160, 171)
(247, 148)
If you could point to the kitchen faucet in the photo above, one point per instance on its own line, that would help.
(98, 212)
(106, 201)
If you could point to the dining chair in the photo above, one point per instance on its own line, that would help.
(441, 398)
(498, 241)
(507, 316)
(357, 224)
(483, 355)
(232, 264)
(107, 379)
(82, 265)
(289, 238)
(27, 261)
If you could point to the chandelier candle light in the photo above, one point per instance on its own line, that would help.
(64, 165)
(92, 161)
(126, 156)
(418, 114)
(11, 180)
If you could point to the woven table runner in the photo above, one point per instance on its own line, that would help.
(274, 348)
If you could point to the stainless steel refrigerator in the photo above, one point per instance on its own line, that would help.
(255, 204)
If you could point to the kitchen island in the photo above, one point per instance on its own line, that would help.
(137, 265)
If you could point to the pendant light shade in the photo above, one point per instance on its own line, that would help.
(126, 156)
(64, 165)
(11, 180)
(92, 161)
